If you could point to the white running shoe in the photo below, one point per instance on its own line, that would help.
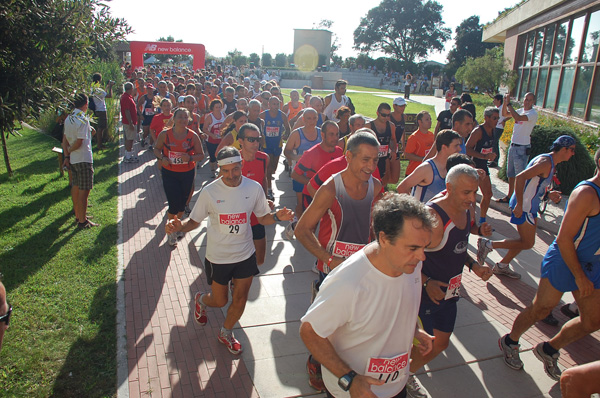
(482, 250)
(506, 271)
(415, 389)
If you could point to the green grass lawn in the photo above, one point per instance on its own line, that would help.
(60, 281)
(366, 103)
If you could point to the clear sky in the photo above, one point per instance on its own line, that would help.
(248, 26)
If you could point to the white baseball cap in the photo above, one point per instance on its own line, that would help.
(399, 101)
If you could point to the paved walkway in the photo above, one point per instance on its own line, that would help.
(167, 355)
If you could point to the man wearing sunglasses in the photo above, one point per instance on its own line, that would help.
(480, 146)
(5, 311)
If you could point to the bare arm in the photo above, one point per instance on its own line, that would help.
(541, 169)
(225, 141)
(472, 142)
(422, 175)
(292, 143)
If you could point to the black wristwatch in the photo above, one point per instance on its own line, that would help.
(277, 219)
(346, 380)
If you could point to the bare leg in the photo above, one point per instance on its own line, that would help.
(580, 381)
(82, 202)
(511, 186)
(486, 195)
(75, 200)
(515, 246)
(586, 323)
(546, 298)
(261, 248)
(238, 302)
(417, 361)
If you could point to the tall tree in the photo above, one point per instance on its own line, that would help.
(46, 47)
(254, 57)
(406, 29)
(488, 72)
(467, 44)
(267, 59)
(280, 60)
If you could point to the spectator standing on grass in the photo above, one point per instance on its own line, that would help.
(5, 311)
(499, 130)
(99, 97)
(78, 156)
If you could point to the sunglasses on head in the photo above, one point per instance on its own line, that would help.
(6, 317)
(253, 139)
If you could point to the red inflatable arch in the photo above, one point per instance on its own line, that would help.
(139, 48)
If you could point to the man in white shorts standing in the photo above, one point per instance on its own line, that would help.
(230, 255)
(362, 323)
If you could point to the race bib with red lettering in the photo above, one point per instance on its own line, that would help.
(149, 111)
(485, 151)
(453, 287)
(383, 150)
(388, 369)
(233, 223)
(272, 131)
(176, 157)
(345, 249)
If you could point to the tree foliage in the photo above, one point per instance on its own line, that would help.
(175, 58)
(254, 57)
(267, 59)
(335, 40)
(46, 46)
(281, 60)
(406, 29)
(488, 72)
(467, 44)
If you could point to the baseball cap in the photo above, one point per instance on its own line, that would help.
(399, 101)
(564, 141)
(246, 79)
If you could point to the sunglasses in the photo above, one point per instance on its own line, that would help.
(384, 114)
(6, 317)
(253, 139)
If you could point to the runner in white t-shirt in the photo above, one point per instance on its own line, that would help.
(362, 323)
(228, 203)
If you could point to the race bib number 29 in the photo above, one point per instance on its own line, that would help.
(388, 369)
(233, 223)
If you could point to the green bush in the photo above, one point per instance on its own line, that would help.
(578, 168)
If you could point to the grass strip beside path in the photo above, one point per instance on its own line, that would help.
(60, 281)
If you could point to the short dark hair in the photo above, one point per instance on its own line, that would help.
(390, 213)
(227, 152)
(384, 105)
(458, 158)
(326, 125)
(499, 97)
(214, 102)
(421, 115)
(97, 77)
(80, 100)
(445, 137)
(465, 97)
(362, 136)
(247, 126)
(340, 83)
(460, 115)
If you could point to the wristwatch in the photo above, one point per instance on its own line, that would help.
(346, 380)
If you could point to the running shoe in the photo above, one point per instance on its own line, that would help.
(566, 310)
(511, 354)
(506, 271)
(415, 389)
(315, 378)
(550, 362)
(550, 320)
(172, 239)
(482, 250)
(288, 233)
(232, 344)
(200, 310)
(86, 224)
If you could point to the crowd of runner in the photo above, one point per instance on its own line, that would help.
(389, 264)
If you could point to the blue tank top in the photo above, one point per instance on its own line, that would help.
(447, 260)
(320, 121)
(273, 129)
(425, 192)
(534, 188)
(305, 144)
(587, 240)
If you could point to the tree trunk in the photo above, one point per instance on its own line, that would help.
(5, 151)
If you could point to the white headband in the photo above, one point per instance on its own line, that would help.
(226, 161)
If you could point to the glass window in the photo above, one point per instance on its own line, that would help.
(590, 46)
(539, 39)
(565, 89)
(532, 80)
(541, 91)
(522, 45)
(530, 39)
(552, 87)
(595, 105)
(574, 43)
(582, 88)
(524, 81)
(548, 40)
(559, 46)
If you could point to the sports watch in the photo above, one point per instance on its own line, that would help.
(346, 380)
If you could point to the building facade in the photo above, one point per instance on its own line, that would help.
(553, 46)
